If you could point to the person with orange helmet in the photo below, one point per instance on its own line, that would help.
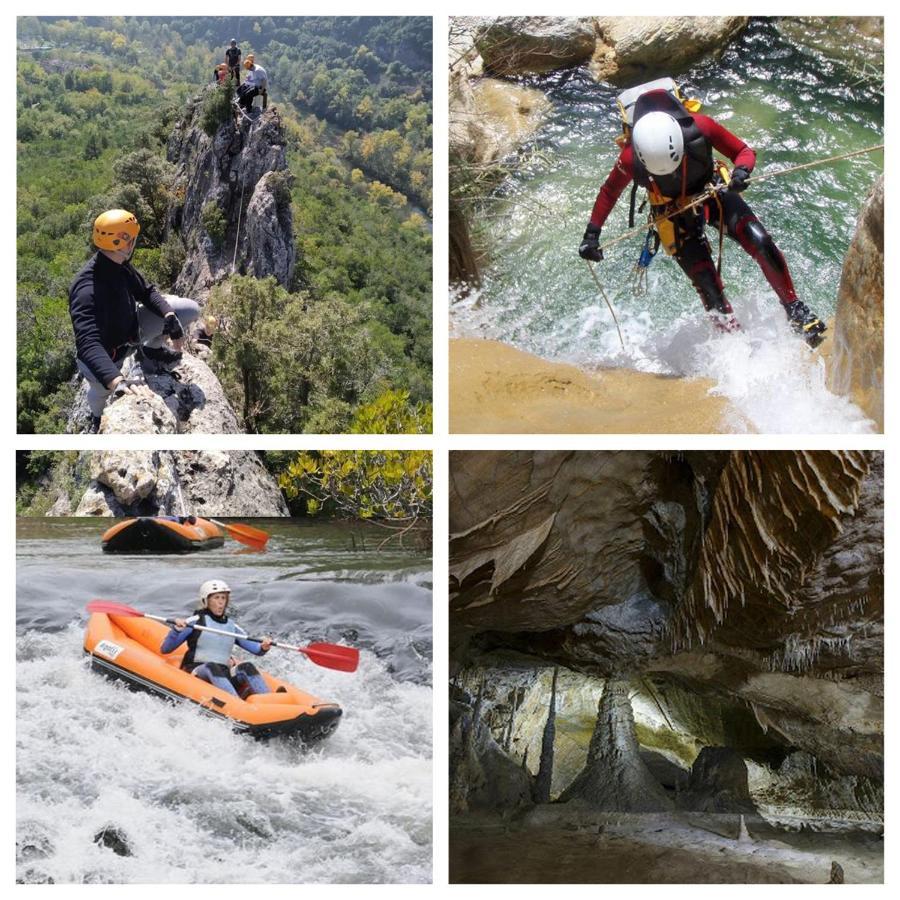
(113, 308)
(256, 82)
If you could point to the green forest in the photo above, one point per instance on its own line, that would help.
(97, 98)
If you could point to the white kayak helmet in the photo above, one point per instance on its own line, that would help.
(658, 142)
(213, 586)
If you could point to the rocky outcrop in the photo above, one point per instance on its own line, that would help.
(516, 45)
(632, 49)
(155, 482)
(239, 179)
(622, 50)
(184, 399)
(857, 363)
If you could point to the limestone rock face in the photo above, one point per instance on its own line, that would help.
(857, 365)
(632, 49)
(207, 483)
(232, 170)
(514, 45)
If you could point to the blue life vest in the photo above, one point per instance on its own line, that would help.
(215, 648)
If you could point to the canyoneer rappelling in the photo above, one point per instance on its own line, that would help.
(115, 310)
(667, 149)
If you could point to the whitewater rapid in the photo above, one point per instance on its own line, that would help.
(198, 803)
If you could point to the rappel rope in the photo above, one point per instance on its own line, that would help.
(611, 310)
(698, 201)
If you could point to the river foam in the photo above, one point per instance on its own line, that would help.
(196, 802)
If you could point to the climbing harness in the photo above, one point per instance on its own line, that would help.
(639, 272)
(710, 192)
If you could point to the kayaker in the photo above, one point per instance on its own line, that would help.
(209, 655)
(113, 308)
(667, 148)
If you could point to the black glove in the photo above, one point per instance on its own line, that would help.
(739, 178)
(590, 244)
(172, 327)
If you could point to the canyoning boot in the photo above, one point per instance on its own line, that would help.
(805, 322)
(94, 426)
(726, 323)
(161, 356)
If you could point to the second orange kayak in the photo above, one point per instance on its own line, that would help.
(162, 534)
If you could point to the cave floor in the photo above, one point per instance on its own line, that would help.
(666, 851)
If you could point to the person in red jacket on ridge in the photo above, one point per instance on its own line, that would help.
(670, 154)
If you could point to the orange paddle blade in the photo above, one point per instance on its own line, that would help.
(245, 534)
(332, 656)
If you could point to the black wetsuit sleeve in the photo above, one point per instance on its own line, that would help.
(148, 294)
(88, 343)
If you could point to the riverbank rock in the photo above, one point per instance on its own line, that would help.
(238, 179)
(516, 45)
(857, 363)
(489, 118)
(632, 49)
(151, 482)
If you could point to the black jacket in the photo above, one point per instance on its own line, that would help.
(103, 302)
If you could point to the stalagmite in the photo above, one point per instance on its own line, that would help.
(615, 778)
(545, 771)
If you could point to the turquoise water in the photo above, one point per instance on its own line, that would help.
(793, 106)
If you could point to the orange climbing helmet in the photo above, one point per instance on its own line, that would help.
(115, 229)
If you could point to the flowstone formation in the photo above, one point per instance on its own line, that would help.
(716, 620)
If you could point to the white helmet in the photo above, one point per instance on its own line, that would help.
(658, 142)
(214, 586)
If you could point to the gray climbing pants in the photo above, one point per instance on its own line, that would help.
(151, 326)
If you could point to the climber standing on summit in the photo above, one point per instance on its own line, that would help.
(667, 149)
(233, 60)
(255, 82)
(114, 308)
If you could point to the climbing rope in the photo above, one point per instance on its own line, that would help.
(611, 310)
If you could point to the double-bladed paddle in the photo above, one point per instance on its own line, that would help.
(330, 656)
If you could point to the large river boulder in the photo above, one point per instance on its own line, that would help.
(516, 45)
(632, 49)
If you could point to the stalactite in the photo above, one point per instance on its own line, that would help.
(545, 770)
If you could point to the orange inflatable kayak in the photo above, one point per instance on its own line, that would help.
(127, 648)
(162, 534)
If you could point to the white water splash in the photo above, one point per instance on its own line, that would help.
(772, 381)
(199, 803)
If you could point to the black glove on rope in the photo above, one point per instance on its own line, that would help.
(590, 244)
(739, 178)
(172, 327)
